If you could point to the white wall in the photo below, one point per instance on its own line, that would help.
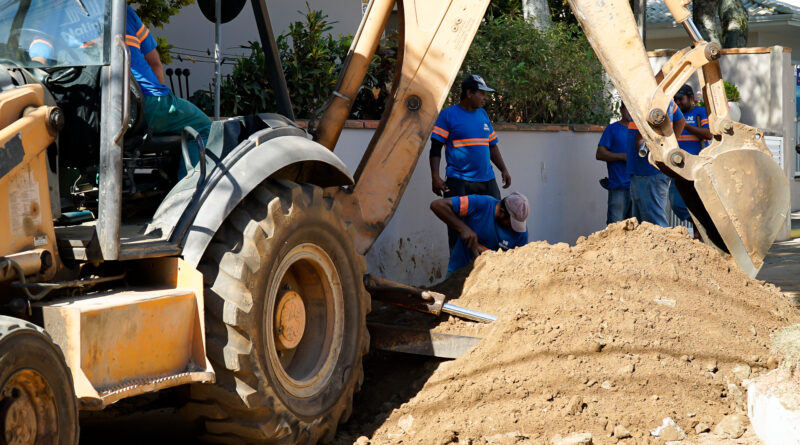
(556, 170)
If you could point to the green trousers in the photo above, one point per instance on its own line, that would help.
(169, 114)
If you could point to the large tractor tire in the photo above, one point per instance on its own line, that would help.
(285, 320)
(37, 399)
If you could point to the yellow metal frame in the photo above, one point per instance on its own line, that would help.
(127, 342)
(26, 221)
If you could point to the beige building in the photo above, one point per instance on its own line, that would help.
(771, 23)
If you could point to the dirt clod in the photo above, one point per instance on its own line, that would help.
(654, 360)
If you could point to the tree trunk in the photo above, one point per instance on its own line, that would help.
(537, 13)
(705, 14)
(733, 18)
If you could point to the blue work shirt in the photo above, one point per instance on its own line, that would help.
(140, 42)
(697, 117)
(467, 136)
(618, 138)
(477, 211)
(637, 165)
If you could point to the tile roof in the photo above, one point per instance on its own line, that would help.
(657, 11)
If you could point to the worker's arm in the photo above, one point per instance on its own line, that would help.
(678, 125)
(437, 183)
(443, 209)
(702, 133)
(154, 60)
(497, 159)
(604, 154)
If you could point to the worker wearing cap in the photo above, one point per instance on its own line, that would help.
(613, 148)
(483, 223)
(649, 187)
(692, 140)
(470, 145)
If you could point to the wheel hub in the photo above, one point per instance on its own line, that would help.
(290, 319)
(26, 411)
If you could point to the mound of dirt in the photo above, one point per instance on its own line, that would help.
(630, 326)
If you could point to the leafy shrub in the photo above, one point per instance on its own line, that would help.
(311, 60)
(547, 76)
(731, 92)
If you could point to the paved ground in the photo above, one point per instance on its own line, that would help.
(782, 265)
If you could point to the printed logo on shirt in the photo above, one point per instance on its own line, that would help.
(485, 127)
(504, 244)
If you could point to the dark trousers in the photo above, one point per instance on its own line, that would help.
(462, 187)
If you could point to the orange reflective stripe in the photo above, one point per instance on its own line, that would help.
(92, 42)
(704, 122)
(473, 144)
(132, 41)
(632, 126)
(141, 31)
(482, 248)
(35, 41)
(470, 142)
(689, 138)
(144, 36)
(492, 136)
(463, 203)
(438, 131)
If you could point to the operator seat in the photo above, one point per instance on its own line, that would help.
(139, 137)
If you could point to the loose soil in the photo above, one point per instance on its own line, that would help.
(631, 325)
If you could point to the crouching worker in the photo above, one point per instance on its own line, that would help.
(483, 223)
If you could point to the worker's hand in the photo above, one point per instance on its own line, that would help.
(506, 179)
(470, 238)
(438, 186)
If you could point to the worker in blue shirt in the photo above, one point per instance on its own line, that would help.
(483, 223)
(613, 148)
(649, 187)
(471, 146)
(692, 140)
(164, 113)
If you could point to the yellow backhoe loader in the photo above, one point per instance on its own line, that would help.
(245, 279)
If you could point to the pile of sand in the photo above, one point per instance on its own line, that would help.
(632, 325)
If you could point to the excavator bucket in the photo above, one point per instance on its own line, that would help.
(737, 194)
(739, 200)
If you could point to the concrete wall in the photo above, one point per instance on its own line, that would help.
(556, 170)
(765, 78)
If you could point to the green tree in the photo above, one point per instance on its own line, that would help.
(541, 76)
(156, 13)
